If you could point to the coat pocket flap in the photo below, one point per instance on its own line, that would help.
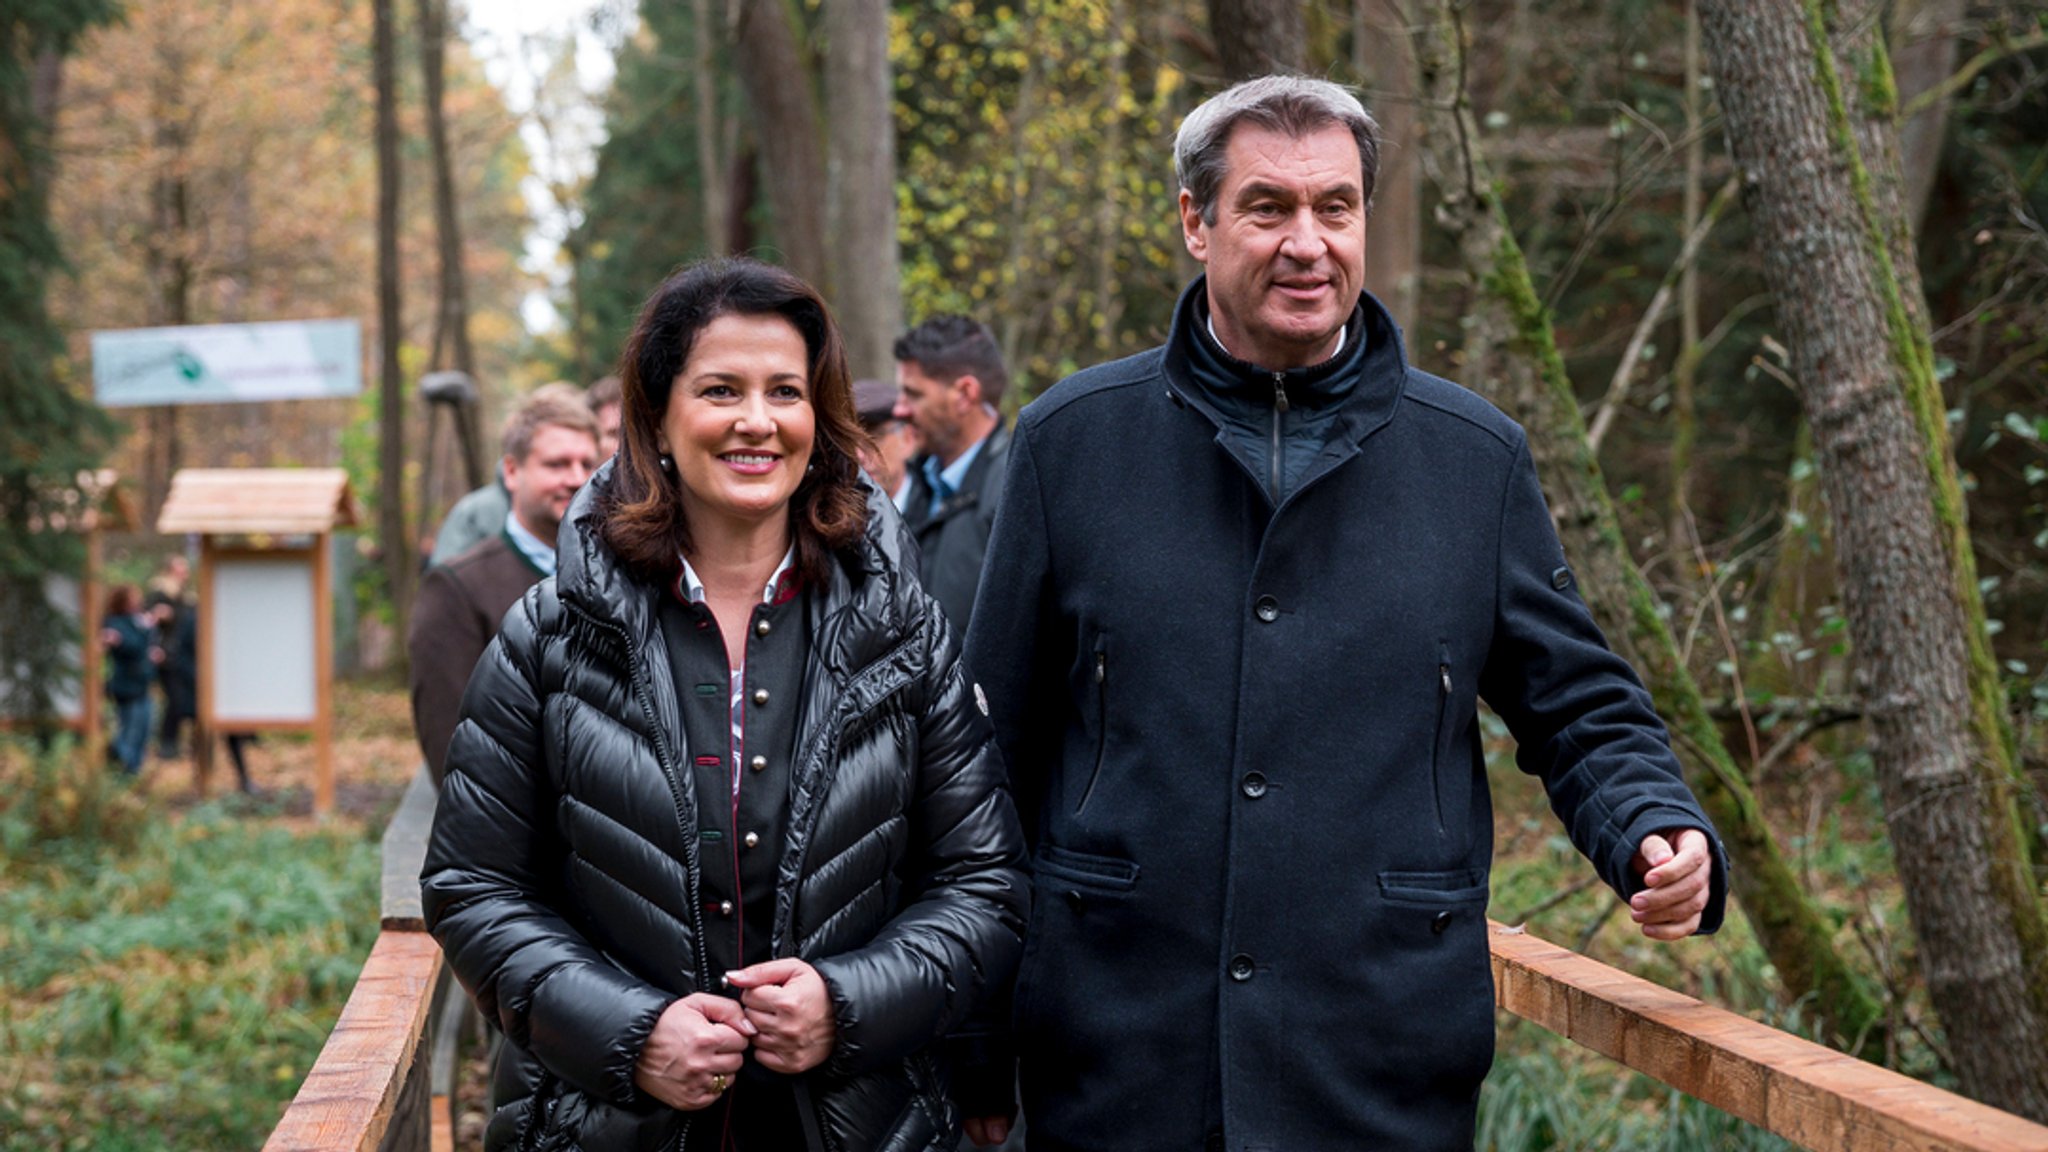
(1456, 886)
(1087, 869)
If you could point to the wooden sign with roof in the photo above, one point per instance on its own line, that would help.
(266, 602)
(95, 506)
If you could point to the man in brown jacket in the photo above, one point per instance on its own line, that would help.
(550, 449)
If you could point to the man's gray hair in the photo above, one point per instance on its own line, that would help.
(1293, 105)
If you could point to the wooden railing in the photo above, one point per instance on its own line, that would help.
(383, 1081)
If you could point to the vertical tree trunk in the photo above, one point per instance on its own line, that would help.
(1925, 35)
(776, 73)
(711, 169)
(1254, 37)
(860, 186)
(1865, 375)
(1116, 85)
(1510, 343)
(1393, 255)
(451, 317)
(391, 527)
(1684, 371)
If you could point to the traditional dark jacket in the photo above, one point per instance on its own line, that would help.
(563, 876)
(953, 539)
(1244, 741)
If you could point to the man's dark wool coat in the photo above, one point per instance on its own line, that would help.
(1245, 745)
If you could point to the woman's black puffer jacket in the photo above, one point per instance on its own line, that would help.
(562, 876)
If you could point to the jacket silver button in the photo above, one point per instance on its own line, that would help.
(1253, 784)
(762, 627)
(758, 763)
(1240, 968)
(1267, 609)
(752, 840)
(760, 697)
(725, 907)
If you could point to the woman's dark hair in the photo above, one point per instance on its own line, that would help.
(643, 517)
(123, 600)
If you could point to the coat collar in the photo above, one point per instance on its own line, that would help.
(1362, 408)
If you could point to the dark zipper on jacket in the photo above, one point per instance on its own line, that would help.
(1280, 407)
(1101, 723)
(1443, 711)
(661, 755)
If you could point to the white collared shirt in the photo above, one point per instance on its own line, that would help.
(535, 549)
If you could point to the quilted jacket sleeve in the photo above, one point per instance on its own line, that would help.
(1582, 720)
(960, 933)
(491, 883)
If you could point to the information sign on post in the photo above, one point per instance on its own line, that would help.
(227, 363)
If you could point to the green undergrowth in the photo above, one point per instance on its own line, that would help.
(169, 986)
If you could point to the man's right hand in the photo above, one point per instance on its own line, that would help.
(988, 1131)
(693, 1053)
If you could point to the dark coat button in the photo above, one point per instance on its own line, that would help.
(1441, 921)
(1240, 967)
(1266, 609)
(1254, 784)
(1561, 579)
(1073, 899)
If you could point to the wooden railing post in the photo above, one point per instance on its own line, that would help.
(372, 1087)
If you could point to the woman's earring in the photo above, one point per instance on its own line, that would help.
(668, 462)
(810, 468)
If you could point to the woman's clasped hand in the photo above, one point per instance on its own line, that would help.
(698, 1045)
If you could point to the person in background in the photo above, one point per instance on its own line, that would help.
(1245, 595)
(129, 636)
(480, 514)
(952, 377)
(549, 449)
(605, 400)
(170, 604)
(893, 441)
(723, 849)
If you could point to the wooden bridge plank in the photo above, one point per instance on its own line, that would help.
(347, 1099)
(403, 851)
(1814, 1096)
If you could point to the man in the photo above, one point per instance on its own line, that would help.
(952, 377)
(481, 513)
(895, 441)
(550, 449)
(1243, 596)
(606, 399)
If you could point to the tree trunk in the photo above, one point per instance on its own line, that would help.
(860, 186)
(1385, 66)
(711, 169)
(1924, 35)
(451, 319)
(776, 73)
(1254, 37)
(391, 386)
(1865, 375)
(1510, 344)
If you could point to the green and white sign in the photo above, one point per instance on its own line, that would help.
(227, 363)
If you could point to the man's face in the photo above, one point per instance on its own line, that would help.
(1286, 256)
(936, 409)
(556, 465)
(608, 431)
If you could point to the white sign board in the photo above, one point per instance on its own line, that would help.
(227, 363)
(261, 639)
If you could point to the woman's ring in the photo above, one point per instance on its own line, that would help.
(718, 1084)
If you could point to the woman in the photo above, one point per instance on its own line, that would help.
(723, 848)
(126, 634)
